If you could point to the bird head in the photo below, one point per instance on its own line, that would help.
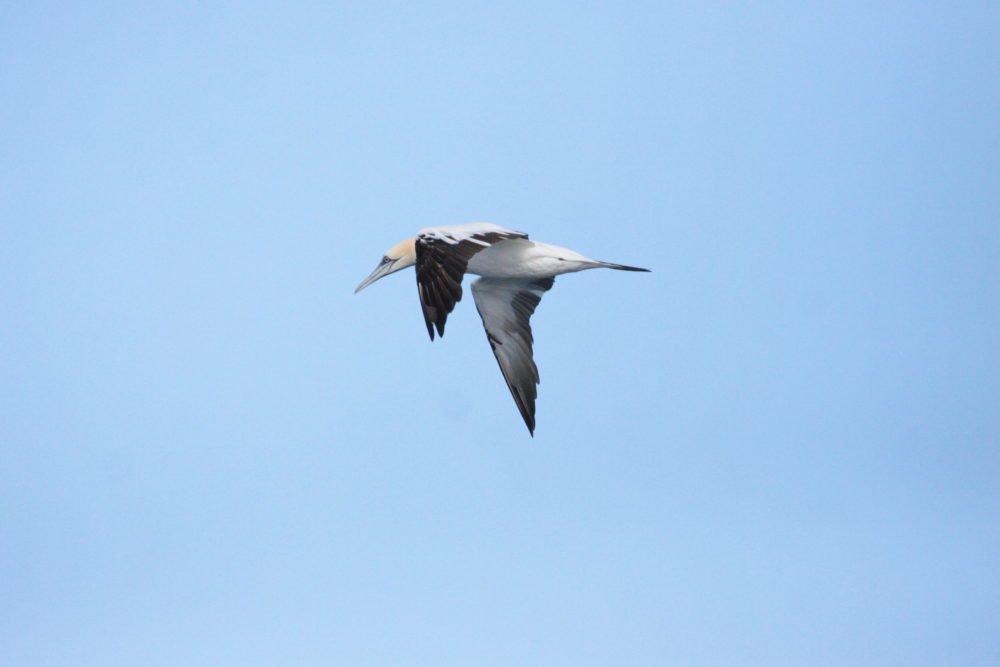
(397, 257)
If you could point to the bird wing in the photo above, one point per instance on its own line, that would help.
(443, 254)
(506, 306)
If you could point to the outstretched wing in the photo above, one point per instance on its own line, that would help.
(443, 254)
(506, 306)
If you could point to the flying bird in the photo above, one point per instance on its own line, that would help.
(514, 274)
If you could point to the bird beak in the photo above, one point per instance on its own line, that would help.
(384, 268)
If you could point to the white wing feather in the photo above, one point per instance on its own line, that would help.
(506, 306)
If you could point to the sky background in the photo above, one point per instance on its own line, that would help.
(781, 447)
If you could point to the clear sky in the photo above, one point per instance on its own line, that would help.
(781, 447)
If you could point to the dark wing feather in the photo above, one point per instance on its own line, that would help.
(506, 306)
(442, 259)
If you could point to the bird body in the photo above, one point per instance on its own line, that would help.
(521, 258)
(515, 273)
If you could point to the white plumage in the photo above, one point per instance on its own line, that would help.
(515, 272)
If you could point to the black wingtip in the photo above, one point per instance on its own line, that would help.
(527, 409)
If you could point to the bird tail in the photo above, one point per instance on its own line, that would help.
(622, 267)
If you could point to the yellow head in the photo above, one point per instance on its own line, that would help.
(399, 256)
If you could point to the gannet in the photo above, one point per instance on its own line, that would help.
(514, 274)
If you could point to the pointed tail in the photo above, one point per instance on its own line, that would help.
(622, 267)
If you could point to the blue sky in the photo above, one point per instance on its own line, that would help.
(779, 448)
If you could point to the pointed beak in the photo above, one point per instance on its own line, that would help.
(384, 268)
